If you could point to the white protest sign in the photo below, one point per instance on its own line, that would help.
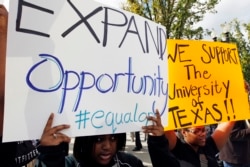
(100, 69)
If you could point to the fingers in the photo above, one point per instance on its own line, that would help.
(49, 122)
(3, 43)
(3, 20)
(60, 127)
(56, 128)
(156, 129)
(148, 129)
(157, 119)
(54, 139)
(3, 12)
(52, 135)
(63, 137)
(60, 137)
(152, 118)
(157, 114)
(153, 130)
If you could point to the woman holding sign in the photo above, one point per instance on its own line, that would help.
(158, 145)
(96, 151)
(195, 148)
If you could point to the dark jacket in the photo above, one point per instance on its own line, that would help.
(17, 154)
(159, 152)
(237, 148)
(54, 157)
(205, 155)
(8, 154)
(160, 155)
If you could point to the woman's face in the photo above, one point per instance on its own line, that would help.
(104, 149)
(195, 136)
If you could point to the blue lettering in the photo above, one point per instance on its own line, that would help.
(148, 85)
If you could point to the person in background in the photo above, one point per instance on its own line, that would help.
(132, 136)
(93, 151)
(13, 154)
(196, 148)
(201, 149)
(158, 145)
(236, 152)
(138, 145)
(103, 150)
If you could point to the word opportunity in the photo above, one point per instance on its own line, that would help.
(205, 91)
(75, 83)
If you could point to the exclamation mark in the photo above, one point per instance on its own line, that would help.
(232, 107)
(225, 102)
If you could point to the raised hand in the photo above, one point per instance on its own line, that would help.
(51, 135)
(156, 129)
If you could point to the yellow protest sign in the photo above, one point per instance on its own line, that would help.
(206, 84)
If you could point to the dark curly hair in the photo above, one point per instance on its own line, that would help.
(83, 146)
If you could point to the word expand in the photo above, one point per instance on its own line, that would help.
(129, 23)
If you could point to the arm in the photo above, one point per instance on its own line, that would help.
(221, 133)
(8, 153)
(240, 132)
(51, 156)
(158, 144)
(159, 152)
(223, 130)
(51, 146)
(7, 150)
(3, 42)
(172, 138)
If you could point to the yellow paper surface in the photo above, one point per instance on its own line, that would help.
(206, 84)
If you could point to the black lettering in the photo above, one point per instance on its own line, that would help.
(214, 106)
(196, 115)
(22, 3)
(107, 23)
(179, 116)
(83, 20)
(220, 54)
(132, 22)
(178, 52)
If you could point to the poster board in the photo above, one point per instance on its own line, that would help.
(97, 68)
(206, 84)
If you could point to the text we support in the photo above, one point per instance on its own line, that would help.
(203, 93)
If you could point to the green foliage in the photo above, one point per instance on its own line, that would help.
(240, 35)
(178, 16)
(243, 45)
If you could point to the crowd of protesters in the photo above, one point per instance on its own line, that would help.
(228, 142)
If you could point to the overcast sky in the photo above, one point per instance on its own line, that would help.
(227, 11)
